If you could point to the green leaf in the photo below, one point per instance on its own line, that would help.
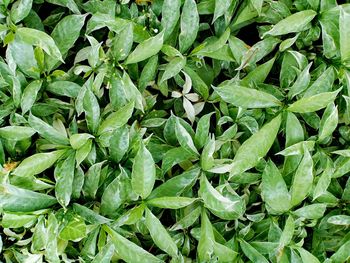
(117, 119)
(119, 143)
(37, 163)
(66, 33)
(174, 156)
(187, 220)
(189, 24)
(92, 179)
(20, 10)
(78, 140)
(13, 220)
(202, 131)
(256, 147)
(39, 235)
(92, 110)
(220, 8)
(339, 220)
(213, 44)
(146, 49)
(116, 193)
(344, 34)
(131, 217)
(298, 148)
(205, 247)
(51, 251)
(207, 160)
(301, 83)
(105, 255)
(245, 97)
(74, 230)
(173, 68)
(171, 202)
(89, 215)
(83, 152)
(23, 55)
(16, 91)
(307, 256)
(47, 131)
(170, 16)
(129, 251)
(16, 133)
(14, 199)
(302, 180)
(313, 211)
(29, 95)
(176, 185)
(251, 252)
(66, 3)
(64, 88)
(39, 39)
(329, 122)
(148, 73)
(323, 83)
(274, 190)
(259, 74)
(288, 232)
(313, 103)
(227, 207)
(198, 83)
(184, 138)
(342, 167)
(324, 180)
(160, 235)
(342, 254)
(287, 43)
(224, 253)
(64, 176)
(294, 23)
(143, 174)
(122, 44)
(132, 93)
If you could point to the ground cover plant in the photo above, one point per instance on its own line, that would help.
(174, 131)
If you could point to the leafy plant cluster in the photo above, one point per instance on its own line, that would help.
(175, 131)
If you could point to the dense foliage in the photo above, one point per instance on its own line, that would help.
(175, 131)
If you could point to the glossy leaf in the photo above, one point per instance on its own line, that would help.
(14, 199)
(313, 103)
(274, 189)
(184, 138)
(37, 163)
(64, 176)
(143, 173)
(117, 119)
(176, 185)
(146, 49)
(328, 122)
(39, 39)
(29, 95)
(129, 251)
(171, 202)
(189, 25)
(256, 147)
(246, 98)
(302, 180)
(294, 23)
(47, 131)
(226, 207)
(170, 16)
(159, 234)
(16, 132)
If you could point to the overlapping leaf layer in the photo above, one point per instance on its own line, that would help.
(175, 131)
